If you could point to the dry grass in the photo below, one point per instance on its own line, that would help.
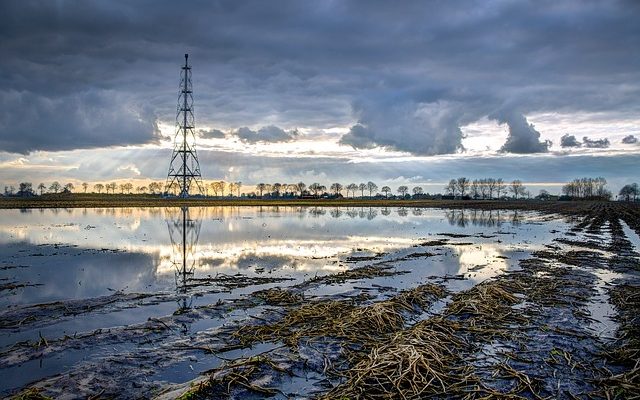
(419, 362)
(278, 297)
(368, 271)
(341, 319)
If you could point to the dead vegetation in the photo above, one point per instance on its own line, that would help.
(368, 271)
(341, 319)
(423, 361)
(625, 351)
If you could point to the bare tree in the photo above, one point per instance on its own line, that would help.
(85, 185)
(55, 187)
(352, 187)
(491, 186)
(475, 189)
(499, 186)
(41, 188)
(336, 188)
(452, 187)
(315, 188)
(403, 190)
(300, 187)
(587, 188)
(277, 187)
(372, 188)
(155, 187)
(98, 187)
(238, 187)
(517, 188)
(362, 187)
(260, 187)
(417, 191)
(463, 185)
(386, 190)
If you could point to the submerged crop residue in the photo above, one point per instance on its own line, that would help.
(508, 313)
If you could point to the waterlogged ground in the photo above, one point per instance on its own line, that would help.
(304, 302)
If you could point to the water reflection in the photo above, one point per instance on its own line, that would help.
(488, 218)
(184, 226)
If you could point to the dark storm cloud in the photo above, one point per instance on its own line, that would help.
(596, 143)
(523, 137)
(405, 76)
(629, 139)
(569, 141)
(94, 119)
(267, 134)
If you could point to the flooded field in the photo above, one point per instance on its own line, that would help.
(313, 302)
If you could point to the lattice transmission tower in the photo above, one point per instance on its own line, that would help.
(184, 168)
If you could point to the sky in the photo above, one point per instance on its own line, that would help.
(400, 93)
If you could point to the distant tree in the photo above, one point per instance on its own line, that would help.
(403, 190)
(217, 187)
(630, 191)
(452, 187)
(543, 195)
(336, 188)
(276, 187)
(238, 187)
(499, 186)
(98, 187)
(232, 188)
(491, 186)
(55, 187)
(372, 187)
(69, 187)
(587, 188)
(300, 187)
(463, 185)
(25, 189)
(417, 191)
(155, 187)
(292, 188)
(141, 189)
(362, 187)
(475, 189)
(173, 187)
(315, 188)
(41, 188)
(386, 190)
(85, 185)
(517, 188)
(352, 187)
(112, 186)
(260, 187)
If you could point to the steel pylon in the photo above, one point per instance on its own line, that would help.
(184, 175)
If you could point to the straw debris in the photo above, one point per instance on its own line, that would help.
(419, 362)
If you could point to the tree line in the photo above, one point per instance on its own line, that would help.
(460, 188)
